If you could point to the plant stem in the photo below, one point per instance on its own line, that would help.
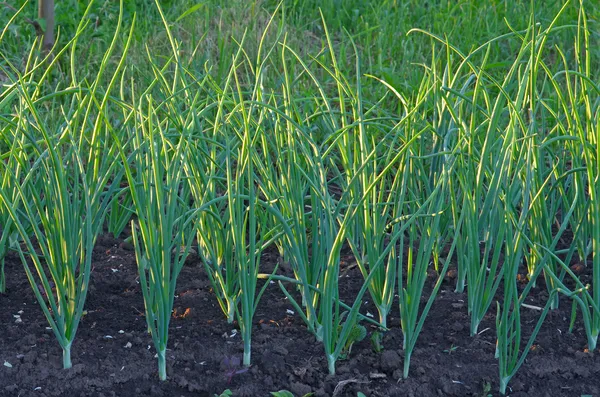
(331, 364)
(383, 312)
(162, 365)
(555, 303)
(230, 310)
(503, 384)
(67, 357)
(406, 363)
(247, 352)
(319, 333)
(460, 283)
(592, 341)
(474, 324)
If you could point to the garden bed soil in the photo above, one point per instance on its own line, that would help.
(113, 354)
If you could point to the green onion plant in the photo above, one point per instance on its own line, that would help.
(56, 198)
(163, 231)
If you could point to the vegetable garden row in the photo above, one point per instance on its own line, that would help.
(478, 171)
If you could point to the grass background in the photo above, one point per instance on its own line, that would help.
(209, 30)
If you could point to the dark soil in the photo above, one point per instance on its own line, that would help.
(113, 354)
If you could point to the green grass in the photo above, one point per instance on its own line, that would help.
(379, 29)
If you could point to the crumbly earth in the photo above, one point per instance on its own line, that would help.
(113, 354)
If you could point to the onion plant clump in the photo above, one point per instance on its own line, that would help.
(586, 127)
(508, 318)
(419, 208)
(56, 182)
(293, 178)
(215, 241)
(163, 231)
(577, 117)
(329, 218)
(482, 236)
(231, 251)
(58, 206)
(523, 209)
(418, 227)
(280, 160)
(512, 187)
(323, 225)
(206, 170)
(247, 218)
(379, 205)
(326, 316)
(485, 162)
(284, 168)
(247, 221)
(154, 158)
(367, 154)
(226, 177)
(333, 322)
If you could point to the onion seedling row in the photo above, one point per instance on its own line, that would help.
(489, 170)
